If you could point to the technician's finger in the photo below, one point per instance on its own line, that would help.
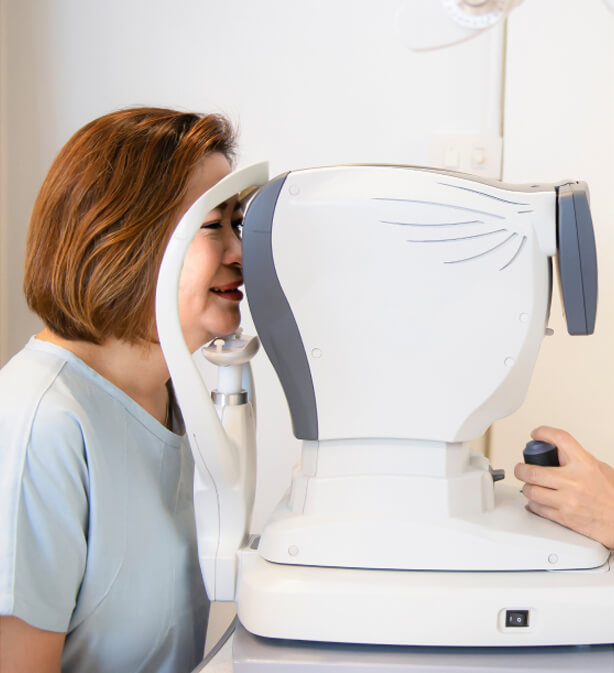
(568, 447)
(548, 477)
(544, 511)
(537, 495)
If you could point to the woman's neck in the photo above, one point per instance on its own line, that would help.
(137, 369)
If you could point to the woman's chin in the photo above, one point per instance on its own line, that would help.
(223, 329)
(232, 325)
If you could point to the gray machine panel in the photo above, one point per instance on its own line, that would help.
(272, 314)
(577, 257)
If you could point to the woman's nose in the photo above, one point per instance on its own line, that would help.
(233, 253)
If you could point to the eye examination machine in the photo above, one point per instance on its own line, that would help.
(403, 310)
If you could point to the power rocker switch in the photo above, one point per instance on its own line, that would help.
(516, 618)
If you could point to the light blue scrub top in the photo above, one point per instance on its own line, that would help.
(97, 534)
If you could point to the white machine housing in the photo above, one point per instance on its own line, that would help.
(420, 297)
(403, 309)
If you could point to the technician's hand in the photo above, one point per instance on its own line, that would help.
(579, 494)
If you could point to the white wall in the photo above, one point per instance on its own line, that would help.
(559, 123)
(309, 83)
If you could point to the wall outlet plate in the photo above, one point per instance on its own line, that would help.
(479, 155)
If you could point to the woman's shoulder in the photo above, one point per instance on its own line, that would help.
(46, 379)
(33, 366)
(35, 383)
(39, 412)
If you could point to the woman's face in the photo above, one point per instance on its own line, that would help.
(209, 292)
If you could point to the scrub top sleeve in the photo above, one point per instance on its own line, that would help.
(50, 535)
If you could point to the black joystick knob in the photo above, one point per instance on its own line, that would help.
(541, 453)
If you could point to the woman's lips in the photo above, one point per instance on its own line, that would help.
(229, 292)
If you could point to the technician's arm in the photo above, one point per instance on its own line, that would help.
(24, 648)
(579, 494)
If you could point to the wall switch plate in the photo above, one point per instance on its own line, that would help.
(480, 155)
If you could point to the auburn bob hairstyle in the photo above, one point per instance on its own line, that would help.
(104, 215)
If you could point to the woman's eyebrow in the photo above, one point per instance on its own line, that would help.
(225, 204)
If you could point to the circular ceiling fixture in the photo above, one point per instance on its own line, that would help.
(433, 24)
(476, 14)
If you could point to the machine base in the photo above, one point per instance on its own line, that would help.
(253, 654)
(420, 608)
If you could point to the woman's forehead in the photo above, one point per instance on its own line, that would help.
(207, 172)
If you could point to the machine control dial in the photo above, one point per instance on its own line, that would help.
(541, 453)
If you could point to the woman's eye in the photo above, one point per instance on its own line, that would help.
(211, 225)
(237, 225)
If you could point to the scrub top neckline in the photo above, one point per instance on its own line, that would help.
(131, 406)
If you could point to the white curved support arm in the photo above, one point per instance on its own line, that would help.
(220, 502)
(248, 385)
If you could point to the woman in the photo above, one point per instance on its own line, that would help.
(98, 565)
